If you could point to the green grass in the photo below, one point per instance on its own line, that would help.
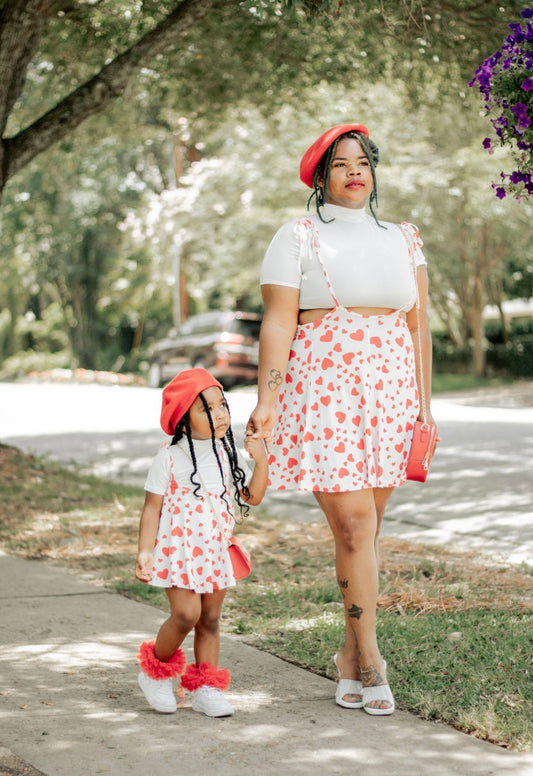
(457, 634)
(467, 669)
(441, 383)
(455, 629)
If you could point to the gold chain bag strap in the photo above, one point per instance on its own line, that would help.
(424, 434)
(239, 556)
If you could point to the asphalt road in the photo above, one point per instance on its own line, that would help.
(479, 493)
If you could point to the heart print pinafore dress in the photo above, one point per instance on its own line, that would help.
(347, 407)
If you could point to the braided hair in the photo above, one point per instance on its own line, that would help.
(183, 429)
(323, 168)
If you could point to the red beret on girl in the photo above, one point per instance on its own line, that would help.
(180, 393)
(315, 152)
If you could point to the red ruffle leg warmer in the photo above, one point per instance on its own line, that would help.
(206, 673)
(159, 669)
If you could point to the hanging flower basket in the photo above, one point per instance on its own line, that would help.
(506, 81)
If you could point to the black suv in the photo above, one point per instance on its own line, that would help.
(225, 343)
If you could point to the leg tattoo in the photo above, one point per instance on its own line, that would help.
(355, 611)
(371, 676)
(342, 583)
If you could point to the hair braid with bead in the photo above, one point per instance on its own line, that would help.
(237, 474)
(183, 429)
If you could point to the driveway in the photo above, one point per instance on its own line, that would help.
(479, 493)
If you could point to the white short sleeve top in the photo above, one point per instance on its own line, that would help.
(159, 474)
(368, 264)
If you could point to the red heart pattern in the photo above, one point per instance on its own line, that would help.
(190, 551)
(353, 430)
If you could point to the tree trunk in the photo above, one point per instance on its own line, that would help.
(478, 302)
(92, 96)
(478, 331)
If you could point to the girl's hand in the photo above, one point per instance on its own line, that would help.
(144, 566)
(256, 448)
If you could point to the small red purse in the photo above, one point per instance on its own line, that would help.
(240, 558)
(422, 449)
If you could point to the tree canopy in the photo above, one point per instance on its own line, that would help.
(141, 141)
(216, 48)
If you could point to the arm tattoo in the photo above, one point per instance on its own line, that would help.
(276, 379)
(355, 611)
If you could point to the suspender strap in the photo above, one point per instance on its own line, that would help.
(409, 232)
(309, 236)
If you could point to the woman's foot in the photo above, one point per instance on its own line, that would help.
(349, 692)
(378, 699)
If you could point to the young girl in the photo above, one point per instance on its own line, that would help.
(187, 517)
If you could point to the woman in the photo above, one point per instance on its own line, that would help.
(338, 380)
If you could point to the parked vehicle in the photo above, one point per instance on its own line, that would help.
(225, 343)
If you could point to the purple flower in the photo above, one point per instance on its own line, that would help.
(519, 34)
(520, 111)
(505, 79)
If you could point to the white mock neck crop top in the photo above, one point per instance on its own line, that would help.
(368, 266)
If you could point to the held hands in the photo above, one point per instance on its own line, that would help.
(260, 425)
(256, 447)
(144, 565)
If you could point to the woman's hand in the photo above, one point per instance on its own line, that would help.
(427, 419)
(260, 424)
(431, 420)
(144, 566)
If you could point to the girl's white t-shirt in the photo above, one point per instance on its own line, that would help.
(159, 474)
(368, 265)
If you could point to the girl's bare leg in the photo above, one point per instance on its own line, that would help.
(206, 632)
(185, 610)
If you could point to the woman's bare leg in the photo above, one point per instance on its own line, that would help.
(354, 519)
(381, 498)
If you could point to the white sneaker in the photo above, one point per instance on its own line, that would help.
(210, 701)
(158, 693)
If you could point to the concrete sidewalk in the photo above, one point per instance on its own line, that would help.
(70, 702)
